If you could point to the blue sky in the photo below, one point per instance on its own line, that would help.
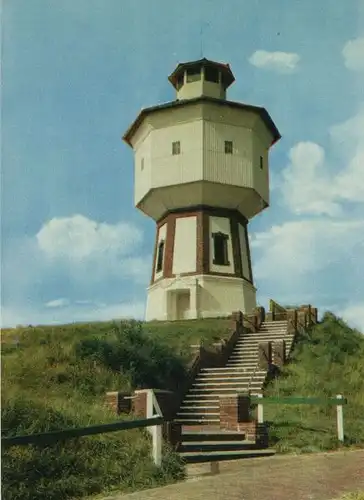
(75, 75)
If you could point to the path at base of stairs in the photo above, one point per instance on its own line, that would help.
(322, 476)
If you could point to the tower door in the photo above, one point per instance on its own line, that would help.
(182, 304)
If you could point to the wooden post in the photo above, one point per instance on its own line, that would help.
(340, 420)
(260, 410)
(156, 430)
(157, 445)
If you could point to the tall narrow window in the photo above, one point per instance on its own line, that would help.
(261, 162)
(142, 164)
(229, 147)
(160, 256)
(220, 249)
(176, 148)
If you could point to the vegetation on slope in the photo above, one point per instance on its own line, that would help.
(328, 360)
(56, 378)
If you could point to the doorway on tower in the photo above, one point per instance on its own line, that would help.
(179, 304)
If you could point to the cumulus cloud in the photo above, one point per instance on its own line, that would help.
(353, 53)
(82, 259)
(281, 62)
(78, 237)
(353, 314)
(301, 248)
(312, 185)
(93, 251)
(63, 302)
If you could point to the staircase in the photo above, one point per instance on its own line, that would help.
(202, 439)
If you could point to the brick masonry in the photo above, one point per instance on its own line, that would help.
(139, 404)
(202, 214)
(234, 410)
(118, 402)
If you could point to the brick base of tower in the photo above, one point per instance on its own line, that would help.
(199, 296)
(202, 266)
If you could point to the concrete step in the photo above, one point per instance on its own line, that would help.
(224, 445)
(213, 456)
(226, 390)
(197, 421)
(226, 370)
(232, 370)
(233, 383)
(226, 378)
(215, 435)
(198, 415)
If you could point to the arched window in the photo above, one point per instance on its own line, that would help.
(160, 256)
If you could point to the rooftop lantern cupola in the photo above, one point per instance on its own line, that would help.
(201, 78)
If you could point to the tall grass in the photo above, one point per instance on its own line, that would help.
(328, 360)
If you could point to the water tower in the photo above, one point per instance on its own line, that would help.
(201, 172)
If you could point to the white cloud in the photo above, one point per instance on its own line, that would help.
(281, 62)
(293, 250)
(354, 316)
(353, 53)
(78, 237)
(94, 251)
(311, 185)
(63, 302)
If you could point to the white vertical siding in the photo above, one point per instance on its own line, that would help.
(233, 168)
(260, 176)
(185, 245)
(168, 169)
(244, 252)
(221, 224)
(142, 176)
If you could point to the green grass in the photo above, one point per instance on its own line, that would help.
(327, 361)
(57, 377)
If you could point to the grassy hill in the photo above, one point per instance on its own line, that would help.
(328, 360)
(56, 378)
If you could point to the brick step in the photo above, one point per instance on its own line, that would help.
(213, 456)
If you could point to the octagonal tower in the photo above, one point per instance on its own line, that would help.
(201, 172)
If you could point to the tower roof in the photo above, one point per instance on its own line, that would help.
(227, 75)
(262, 112)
